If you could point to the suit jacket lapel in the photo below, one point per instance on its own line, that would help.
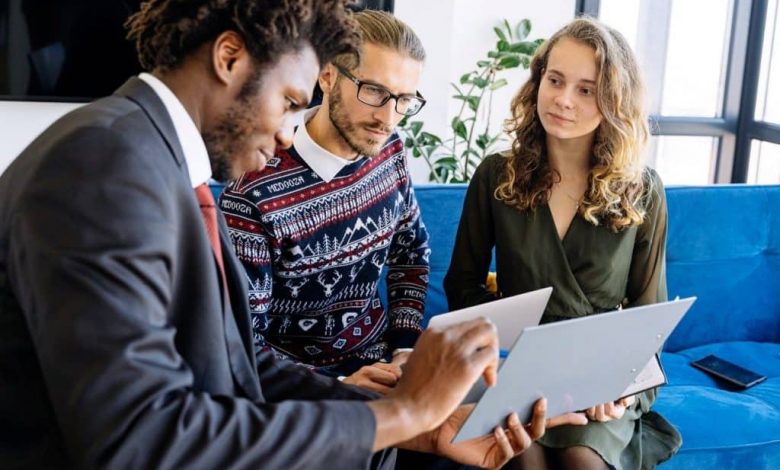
(238, 327)
(238, 330)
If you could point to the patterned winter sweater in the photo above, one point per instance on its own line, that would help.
(314, 252)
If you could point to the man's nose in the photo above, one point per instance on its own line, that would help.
(386, 114)
(284, 136)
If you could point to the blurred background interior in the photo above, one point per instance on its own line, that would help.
(712, 69)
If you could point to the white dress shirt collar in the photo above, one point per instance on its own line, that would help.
(190, 139)
(321, 161)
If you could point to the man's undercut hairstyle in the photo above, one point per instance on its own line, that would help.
(166, 31)
(383, 29)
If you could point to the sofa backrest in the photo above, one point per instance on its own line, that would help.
(723, 247)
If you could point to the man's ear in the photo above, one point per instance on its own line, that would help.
(230, 58)
(327, 78)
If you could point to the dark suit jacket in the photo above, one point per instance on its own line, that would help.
(116, 349)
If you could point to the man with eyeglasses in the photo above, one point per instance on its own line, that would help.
(316, 228)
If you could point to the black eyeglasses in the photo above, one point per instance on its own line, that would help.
(377, 96)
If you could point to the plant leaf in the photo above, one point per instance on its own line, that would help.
(523, 29)
(481, 82)
(524, 47)
(484, 63)
(509, 62)
(498, 84)
(459, 128)
(482, 141)
(508, 27)
(446, 161)
(416, 126)
(502, 46)
(473, 102)
(430, 139)
(500, 34)
(465, 78)
(469, 151)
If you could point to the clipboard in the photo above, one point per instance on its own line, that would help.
(510, 314)
(574, 363)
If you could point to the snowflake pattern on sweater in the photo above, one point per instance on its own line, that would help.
(314, 252)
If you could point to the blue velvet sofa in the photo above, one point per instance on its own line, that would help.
(724, 248)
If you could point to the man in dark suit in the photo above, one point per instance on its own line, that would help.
(124, 335)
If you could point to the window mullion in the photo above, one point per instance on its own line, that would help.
(747, 108)
(733, 89)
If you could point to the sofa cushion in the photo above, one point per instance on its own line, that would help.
(723, 427)
(724, 247)
(440, 206)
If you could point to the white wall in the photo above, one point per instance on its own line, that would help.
(457, 33)
(21, 122)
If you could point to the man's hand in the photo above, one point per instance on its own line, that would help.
(610, 411)
(379, 377)
(497, 448)
(437, 376)
(444, 365)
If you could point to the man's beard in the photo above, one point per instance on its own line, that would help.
(347, 129)
(223, 143)
(218, 145)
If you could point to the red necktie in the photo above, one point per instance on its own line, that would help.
(208, 209)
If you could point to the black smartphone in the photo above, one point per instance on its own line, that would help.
(728, 371)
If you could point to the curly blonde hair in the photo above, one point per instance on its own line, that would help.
(615, 184)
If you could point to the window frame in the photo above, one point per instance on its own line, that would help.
(737, 126)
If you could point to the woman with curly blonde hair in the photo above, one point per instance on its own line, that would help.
(572, 206)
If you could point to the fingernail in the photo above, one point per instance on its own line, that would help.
(514, 420)
(543, 404)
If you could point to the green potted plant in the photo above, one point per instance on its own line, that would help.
(453, 160)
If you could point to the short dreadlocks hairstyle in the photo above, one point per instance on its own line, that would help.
(166, 31)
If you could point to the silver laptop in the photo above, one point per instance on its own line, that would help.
(575, 364)
(510, 314)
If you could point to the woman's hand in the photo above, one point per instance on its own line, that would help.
(609, 411)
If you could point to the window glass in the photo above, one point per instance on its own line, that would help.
(695, 58)
(768, 97)
(622, 15)
(685, 160)
(696, 34)
(764, 165)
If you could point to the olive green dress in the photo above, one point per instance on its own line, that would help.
(592, 270)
